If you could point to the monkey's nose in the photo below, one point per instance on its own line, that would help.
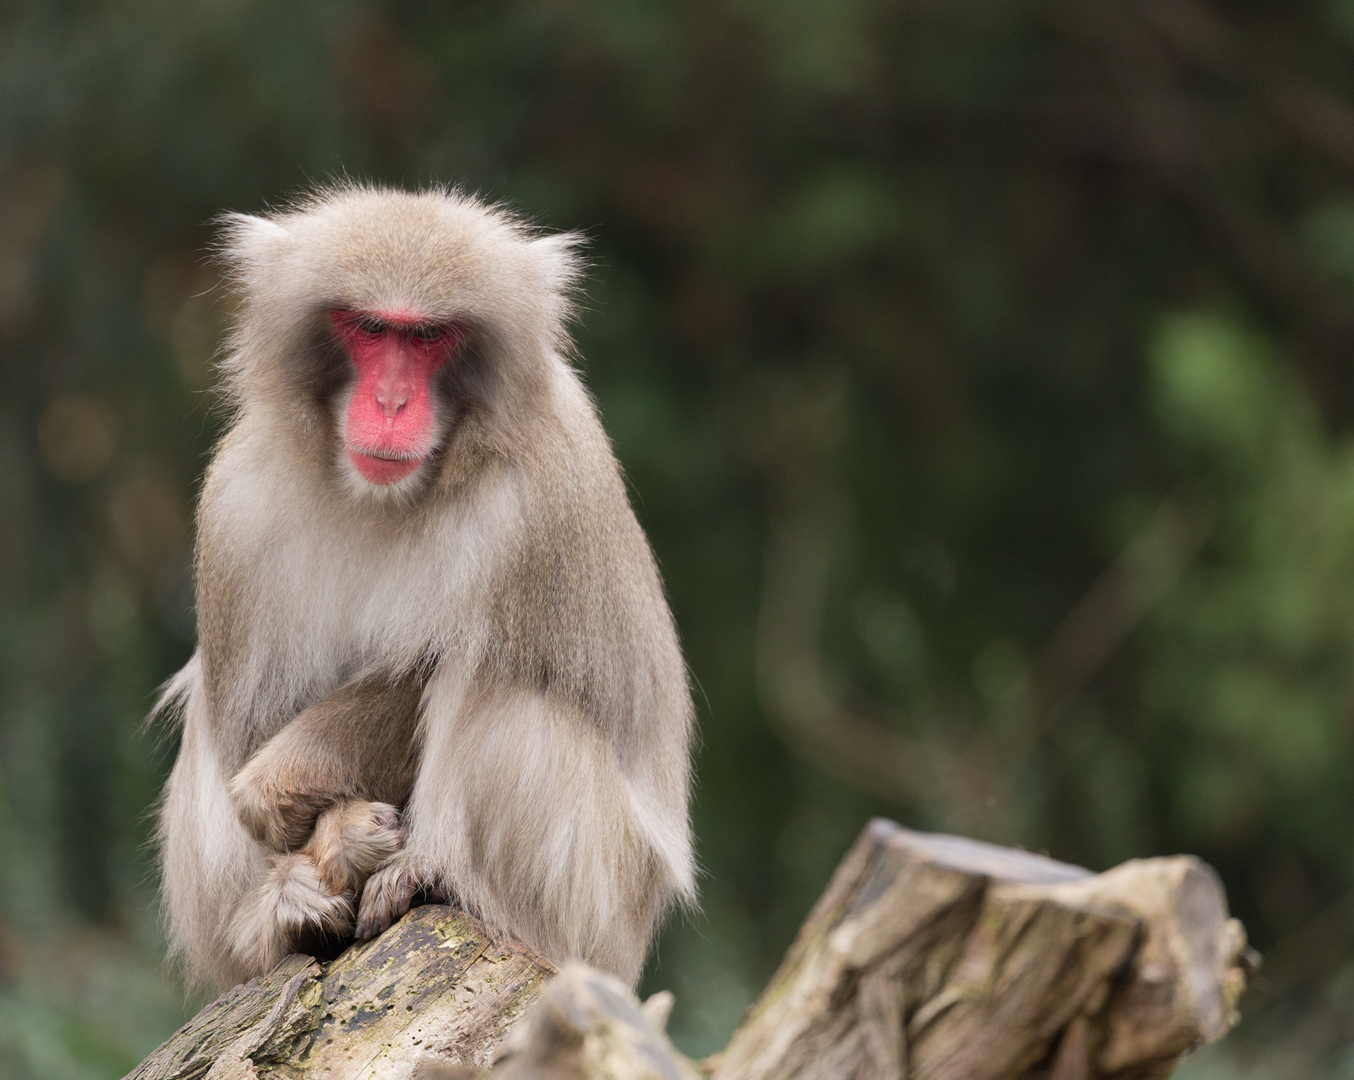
(392, 398)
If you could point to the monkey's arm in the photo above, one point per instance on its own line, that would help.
(357, 743)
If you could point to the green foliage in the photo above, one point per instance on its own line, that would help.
(1255, 649)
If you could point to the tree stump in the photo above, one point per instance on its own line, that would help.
(939, 958)
(928, 958)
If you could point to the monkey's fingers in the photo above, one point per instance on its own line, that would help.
(387, 895)
(351, 839)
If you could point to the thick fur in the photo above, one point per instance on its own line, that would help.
(291, 907)
(503, 600)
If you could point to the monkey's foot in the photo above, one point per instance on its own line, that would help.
(292, 908)
(389, 892)
(351, 840)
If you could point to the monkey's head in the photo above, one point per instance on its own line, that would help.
(375, 326)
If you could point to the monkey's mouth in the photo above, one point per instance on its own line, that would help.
(379, 466)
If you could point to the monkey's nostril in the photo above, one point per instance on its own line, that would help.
(392, 401)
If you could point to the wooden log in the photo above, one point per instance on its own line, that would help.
(588, 1026)
(434, 989)
(928, 958)
(939, 958)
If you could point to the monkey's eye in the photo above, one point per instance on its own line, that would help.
(373, 326)
(427, 331)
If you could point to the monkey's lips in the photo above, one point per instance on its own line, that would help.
(384, 466)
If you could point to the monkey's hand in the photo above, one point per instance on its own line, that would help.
(390, 891)
(351, 839)
(278, 814)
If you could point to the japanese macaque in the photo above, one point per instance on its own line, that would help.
(434, 654)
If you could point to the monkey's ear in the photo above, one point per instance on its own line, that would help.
(560, 260)
(249, 242)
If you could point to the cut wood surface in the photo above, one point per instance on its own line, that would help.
(928, 958)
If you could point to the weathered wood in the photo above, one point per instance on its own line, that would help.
(939, 958)
(588, 1026)
(928, 958)
(436, 988)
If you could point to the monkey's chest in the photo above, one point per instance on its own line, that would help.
(301, 599)
(316, 615)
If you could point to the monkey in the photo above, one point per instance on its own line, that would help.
(434, 654)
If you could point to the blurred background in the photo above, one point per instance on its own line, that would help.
(981, 368)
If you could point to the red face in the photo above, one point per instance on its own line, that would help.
(391, 426)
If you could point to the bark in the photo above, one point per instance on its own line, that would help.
(928, 958)
(434, 988)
